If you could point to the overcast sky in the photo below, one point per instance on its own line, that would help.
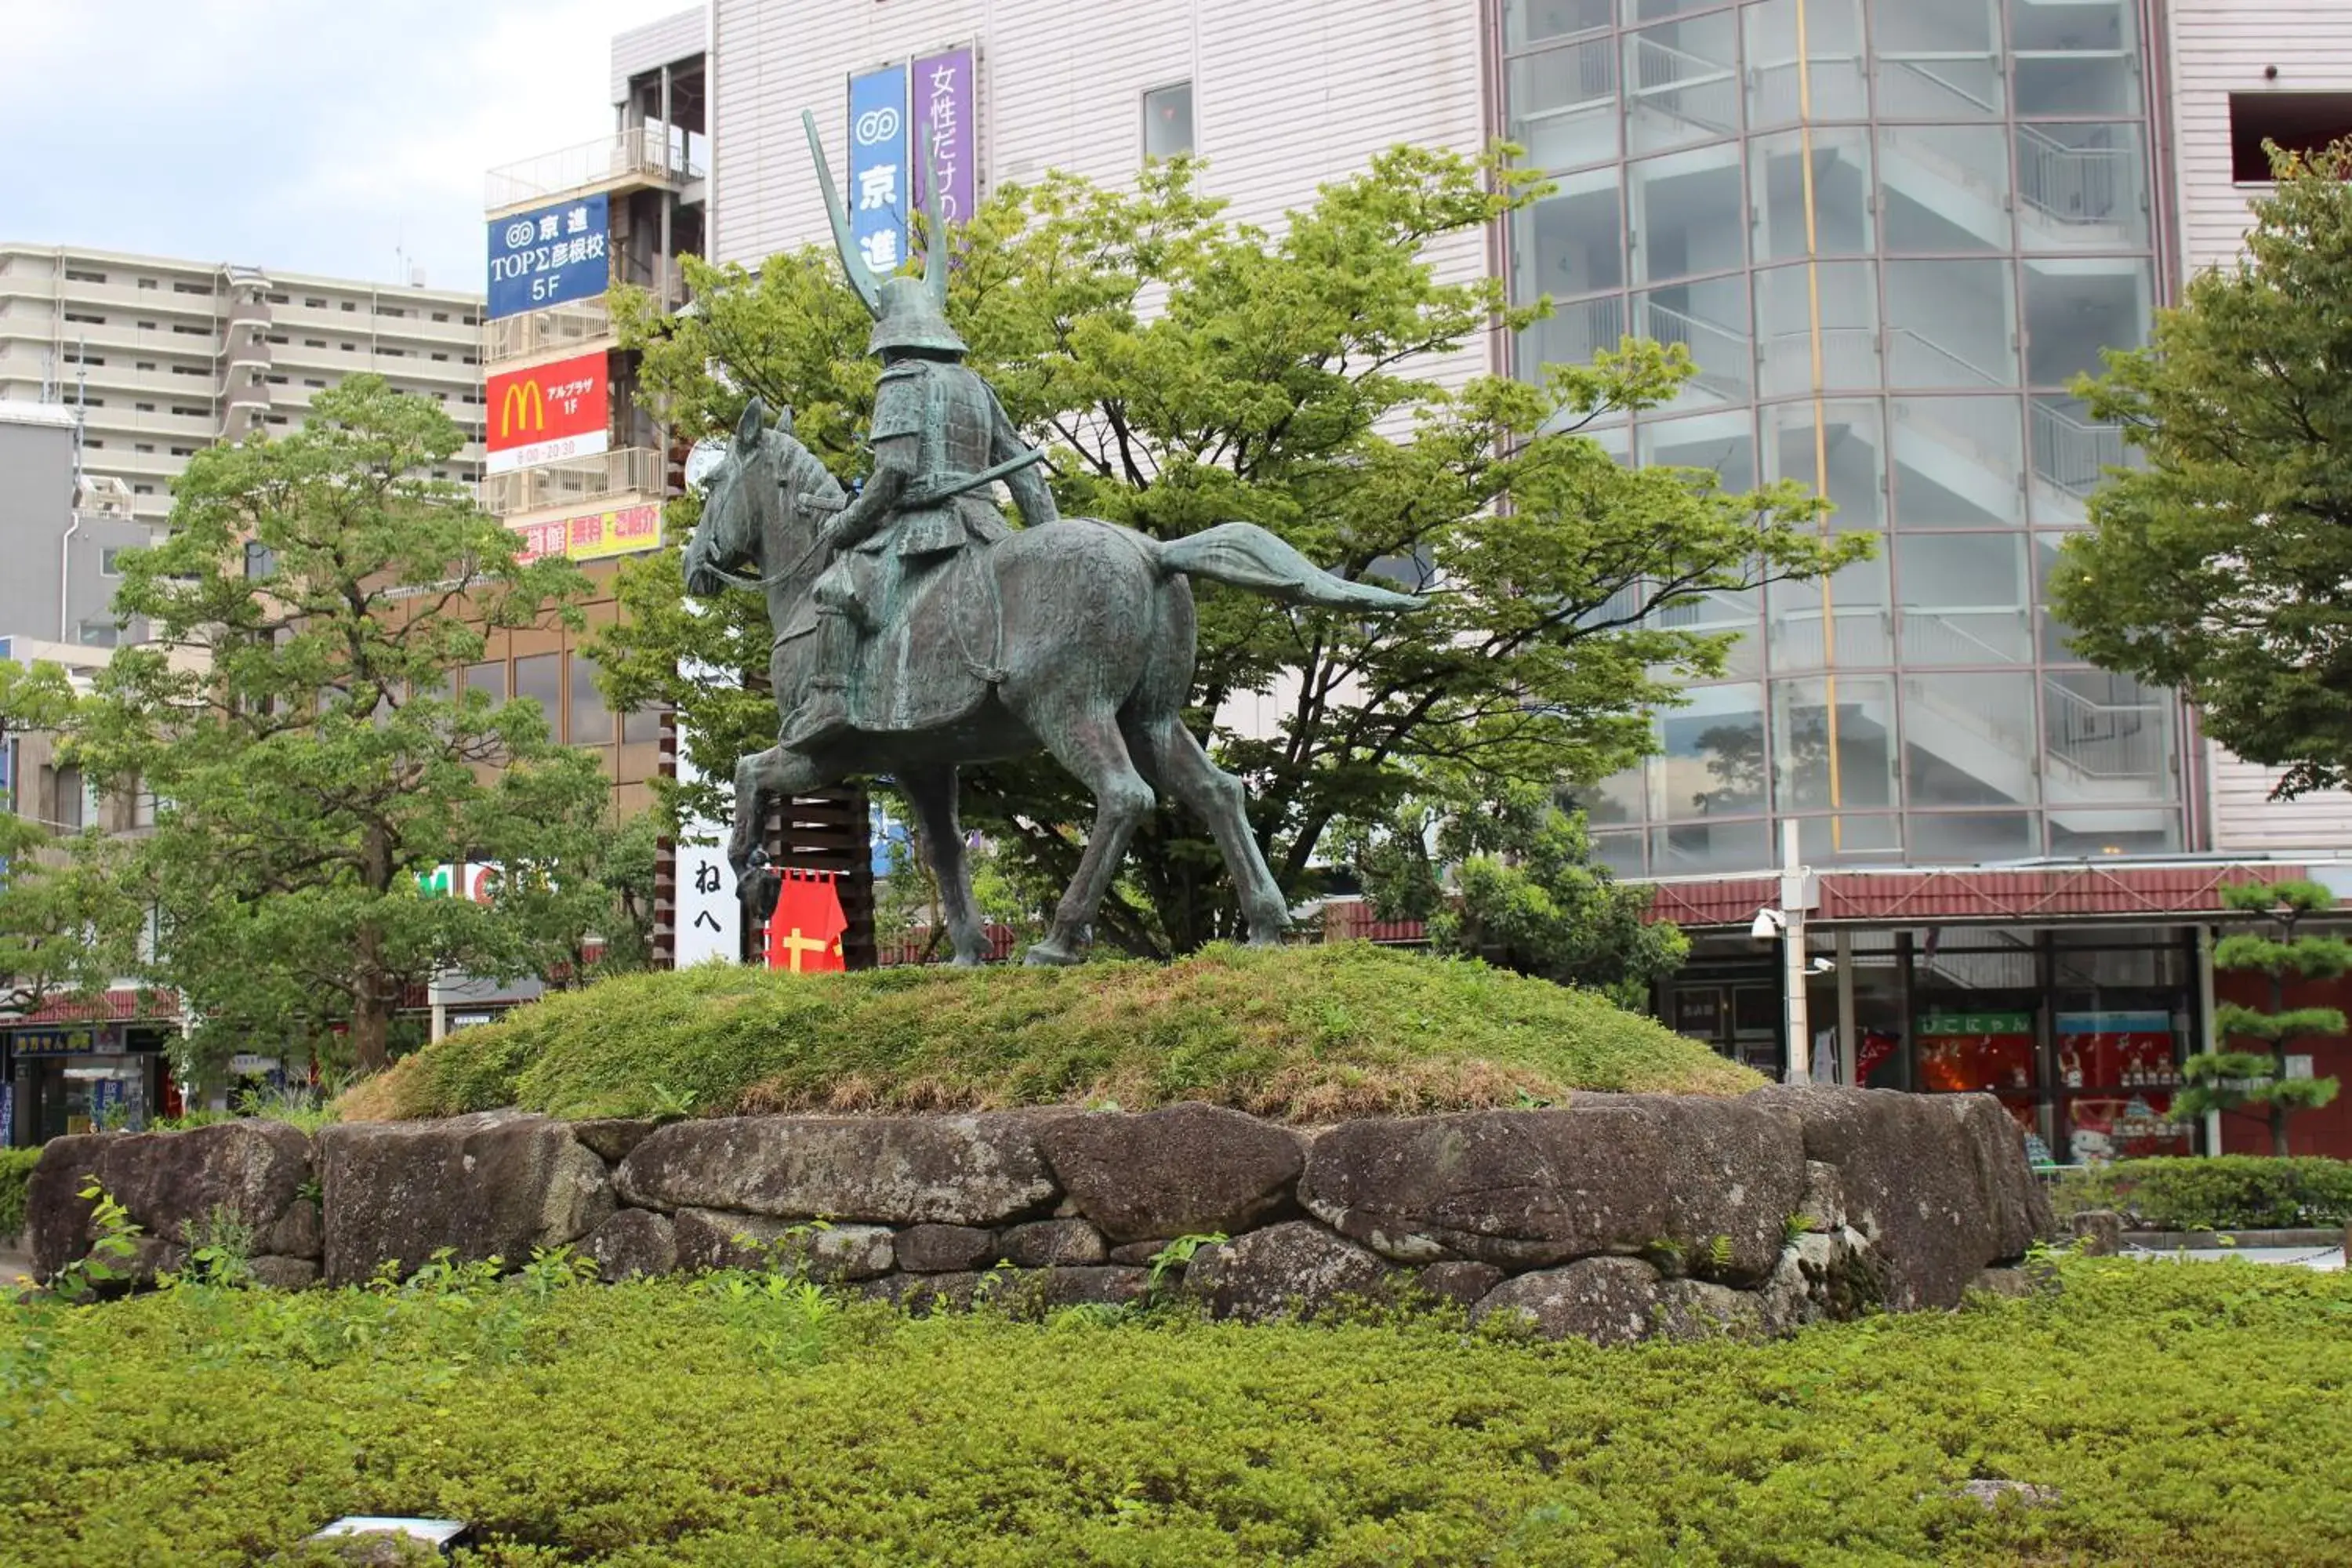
(320, 136)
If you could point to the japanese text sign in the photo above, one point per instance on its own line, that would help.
(550, 255)
(546, 413)
(876, 197)
(944, 120)
(592, 535)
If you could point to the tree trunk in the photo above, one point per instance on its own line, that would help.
(371, 1033)
(372, 1019)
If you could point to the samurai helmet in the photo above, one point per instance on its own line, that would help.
(909, 313)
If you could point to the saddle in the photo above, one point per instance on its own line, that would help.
(938, 658)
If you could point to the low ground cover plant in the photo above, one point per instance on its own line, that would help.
(16, 1180)
(2178, 1413)
(1305, 1034)
(2230, 1192)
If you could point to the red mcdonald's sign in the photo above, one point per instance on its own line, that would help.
(546, 413)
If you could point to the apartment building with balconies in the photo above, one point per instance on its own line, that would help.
(162, 357)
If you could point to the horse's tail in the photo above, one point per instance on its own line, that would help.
(1247, 556)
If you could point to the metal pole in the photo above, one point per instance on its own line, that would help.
(1849, 1040)
(2205, 1001)
(1792, 950)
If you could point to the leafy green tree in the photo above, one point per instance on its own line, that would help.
(1523, 894)
(2223, 567)
(66, 921)
(614, 917)
(1187, 370)
(297, 721)
(2239, 1080)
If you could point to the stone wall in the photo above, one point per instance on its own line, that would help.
(1614, 1219)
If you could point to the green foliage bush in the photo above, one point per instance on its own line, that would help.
(2187, 1414)
(2228, 1192)
(1304, 1033)
(15, 1178)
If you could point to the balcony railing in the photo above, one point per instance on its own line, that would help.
(651, 152)
(582, 321)
(632, 471)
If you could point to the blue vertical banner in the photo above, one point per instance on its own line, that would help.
(881, 189)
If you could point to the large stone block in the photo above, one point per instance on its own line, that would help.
(632, 1242)
(1292, 1267)
(944, 1249)
(496, 1183)
(829, 1254)
(1938, 1185)
(886, 1170)
(1189, 1170)
(1611, 1174)
(252, 1172)
(1052, 1243)
(1609, 1300)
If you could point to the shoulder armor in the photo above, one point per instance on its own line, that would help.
(899, 401)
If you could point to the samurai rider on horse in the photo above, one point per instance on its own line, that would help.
(939, 439)
(937, 637)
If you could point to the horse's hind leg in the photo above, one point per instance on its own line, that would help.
(932, 793)
(1084, 739)
(1179, 766)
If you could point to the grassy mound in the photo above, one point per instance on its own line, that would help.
(2174, 1414)
(1304, 1033)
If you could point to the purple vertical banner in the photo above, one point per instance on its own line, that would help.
(946, 132)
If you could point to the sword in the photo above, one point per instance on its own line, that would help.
(934, 494)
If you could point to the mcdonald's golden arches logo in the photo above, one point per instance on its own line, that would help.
(548, 411)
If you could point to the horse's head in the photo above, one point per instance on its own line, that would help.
(740, 501)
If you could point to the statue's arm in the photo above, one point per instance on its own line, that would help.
(1028, 486)
(893, 465)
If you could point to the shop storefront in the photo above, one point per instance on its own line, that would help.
(2078, 1030)
(62, 1077)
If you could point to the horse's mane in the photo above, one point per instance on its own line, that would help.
(803, 473)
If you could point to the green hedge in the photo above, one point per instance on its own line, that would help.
(2192, 1415)
(1306, 1034)
(16, 1180)
(2228, 1192)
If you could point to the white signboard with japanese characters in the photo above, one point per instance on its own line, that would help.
(550, 255)
(709, 920)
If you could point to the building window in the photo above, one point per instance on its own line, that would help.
(191, 288)
(147, 326)
(85, 318)
(68, 811)
(314, 343)
(183, 451)
(539, 676)
(2297, 122)
(348, 349)
(74, 276)
(440, 356)
(276, 337)
(313, 381)
(93, 442)
(142, 446)
(314, 304)
(146, 364)
(144, 490)
(348, 305)
(146, 282)
(97, 634)
(144, 407)
(186, 331)
(1167, 120)
(592, 721)
(440, 315)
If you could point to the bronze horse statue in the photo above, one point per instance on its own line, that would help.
(1074, 637)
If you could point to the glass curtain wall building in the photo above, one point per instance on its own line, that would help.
(1890, 233)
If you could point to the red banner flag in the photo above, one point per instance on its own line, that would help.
(804, 933)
